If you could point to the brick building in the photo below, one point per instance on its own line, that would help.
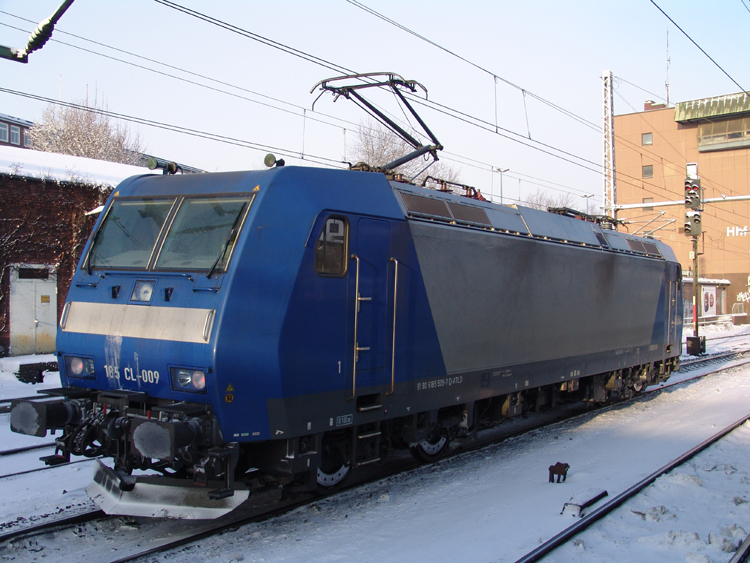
(44, 201)
(653, 151)
(14, 132)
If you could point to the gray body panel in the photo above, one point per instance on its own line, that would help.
(500, 300)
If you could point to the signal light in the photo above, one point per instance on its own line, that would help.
(692, 223)
(693, 193)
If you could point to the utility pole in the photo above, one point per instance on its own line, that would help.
(695, 345)
(501, 171)
(587, 197)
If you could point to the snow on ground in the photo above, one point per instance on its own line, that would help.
(12, 388)
(697, 513)
(496, 504)
(27, 498)
(493, 505)
(64, 168)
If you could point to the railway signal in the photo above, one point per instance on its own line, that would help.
(693, 206)
(693, 193)
(692, 223)
(695, 344)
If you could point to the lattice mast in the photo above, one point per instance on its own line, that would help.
(610, 189)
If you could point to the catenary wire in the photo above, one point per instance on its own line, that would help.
(175, 128)
(566, 112)
(445, 109)
(639, 87)
(487, 165)
(492, 128)
(407, 30)
(339, 68)
(699, 47)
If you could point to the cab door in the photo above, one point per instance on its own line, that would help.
(369, 272)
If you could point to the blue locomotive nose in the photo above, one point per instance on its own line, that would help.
(130, 346)
(141, 312)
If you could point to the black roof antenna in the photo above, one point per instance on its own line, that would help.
(395, 83)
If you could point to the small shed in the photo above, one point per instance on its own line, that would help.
(712, 299)
(43, 229)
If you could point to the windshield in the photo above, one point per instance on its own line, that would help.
(127, 237)
(202, 233)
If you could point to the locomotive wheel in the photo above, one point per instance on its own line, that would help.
(431, 449)
(331, 480)
(334, 468)
(639, 386)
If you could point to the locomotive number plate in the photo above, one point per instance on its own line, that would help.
(345, 420)
(145, 376)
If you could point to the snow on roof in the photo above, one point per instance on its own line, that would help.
(16, 120)
(705, 281)
(64, 168)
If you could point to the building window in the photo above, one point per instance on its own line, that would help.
(647, 139)
(4, 132)
(15, 135)
(728, 134)
(648, 200)
(26, 138)
(648, 171)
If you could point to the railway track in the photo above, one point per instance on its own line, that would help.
(51, 525)
(44, 468)
(605, 509)
(270, 507)
(5, 403)
(600, 512)
(25, 449)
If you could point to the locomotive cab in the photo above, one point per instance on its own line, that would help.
(136, 346)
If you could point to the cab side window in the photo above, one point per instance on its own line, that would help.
(331, 248)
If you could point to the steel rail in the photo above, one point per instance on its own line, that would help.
(706, 359)
(57, 523)
(5, 403)
(27, 449)
(709, 359)
(45, 468)
(218, 529)
(608, 507)
(699, 376)
(742, 553)
(258, 518)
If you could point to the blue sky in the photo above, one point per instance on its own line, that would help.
(554, 50)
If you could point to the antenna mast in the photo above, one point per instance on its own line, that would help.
(667, 83)
(610, 190)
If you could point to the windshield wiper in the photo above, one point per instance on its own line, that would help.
(230, 239)
(91, 250)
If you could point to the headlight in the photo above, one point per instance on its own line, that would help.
(192, 380)
(80, 367)
(142, 291)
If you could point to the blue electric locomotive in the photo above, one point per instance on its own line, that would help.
(284, 327)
